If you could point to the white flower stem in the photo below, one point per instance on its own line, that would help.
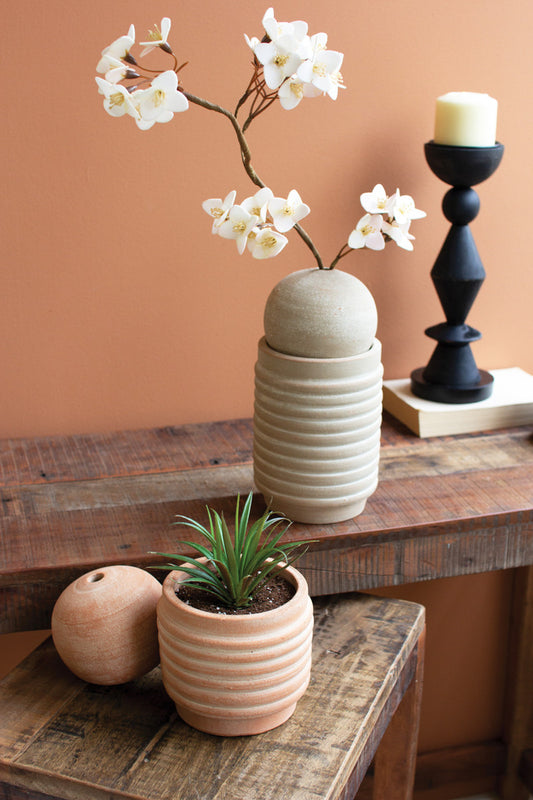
(246, 160)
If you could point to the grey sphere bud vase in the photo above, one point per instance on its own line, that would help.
(451, 375)
(318, 398)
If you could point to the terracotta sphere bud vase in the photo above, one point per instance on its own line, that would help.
(104, 625)
(235, 675)
(318, 398)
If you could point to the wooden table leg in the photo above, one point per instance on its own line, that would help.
(395, 759)
(519, 701)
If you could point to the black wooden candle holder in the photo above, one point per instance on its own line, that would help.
(451, 375)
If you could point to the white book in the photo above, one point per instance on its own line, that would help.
(510, 404)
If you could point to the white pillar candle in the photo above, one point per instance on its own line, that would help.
(466, 119)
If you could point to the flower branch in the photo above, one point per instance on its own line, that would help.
(288, 66)
(243, 144)
(246, 160)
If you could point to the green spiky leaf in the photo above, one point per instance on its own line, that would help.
(235, 567)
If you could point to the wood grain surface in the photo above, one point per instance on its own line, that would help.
(63, 737)
(444, 506)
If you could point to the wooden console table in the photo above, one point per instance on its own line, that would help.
(444, 507)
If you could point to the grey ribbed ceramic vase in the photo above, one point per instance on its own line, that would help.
(317, 420)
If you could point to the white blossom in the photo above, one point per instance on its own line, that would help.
(389, 216)
(117, 99)
(117, 70)
(318, 41)
(136, 97)
(287, 212)
(294, 32)
(399, 233)
(289, 45)
(238, 225)
(162, 99)
(116, 50)
(403, 208)
(258, 204)
(376, 201)
(158, 37)
(266, 243)
(291, 92)
(323, 71)
(367, 233)
(279, 61)
(251, 42)
(219, 209)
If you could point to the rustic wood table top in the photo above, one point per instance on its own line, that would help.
(444, 506)
(65, 738)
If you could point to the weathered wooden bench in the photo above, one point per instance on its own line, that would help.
(63, 738)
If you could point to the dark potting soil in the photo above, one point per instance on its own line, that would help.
(274, 593)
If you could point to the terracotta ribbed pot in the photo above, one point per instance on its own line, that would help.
(104, 624)
(234, 675)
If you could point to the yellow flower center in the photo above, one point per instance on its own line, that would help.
(297, 89)
(280, 60)
(268, 242)
(159, 97)
(155, 35)
(320, 70)
(116, 99)
(239, 227)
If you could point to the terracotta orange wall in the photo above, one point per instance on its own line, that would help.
(465, 672)
(120, 310)
(118, 307)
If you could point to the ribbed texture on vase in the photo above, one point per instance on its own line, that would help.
(317, 429)
(233, 675)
